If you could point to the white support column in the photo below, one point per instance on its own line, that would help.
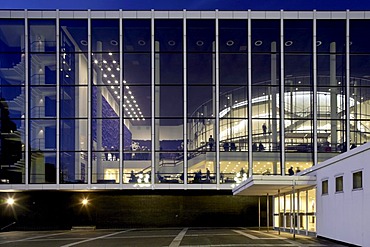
(282, 100)
(185, 108)
(89, 83)
(249, 105)
(306, 212)
(267, 212)
(58, 99)
(279, 211)
(348, 81)
(152, 54)
(26, 84)
(314, 96)
(216, 112)
(120, 59)
(185, 168)
(259, 213)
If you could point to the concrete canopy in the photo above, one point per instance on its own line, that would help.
(259, 185)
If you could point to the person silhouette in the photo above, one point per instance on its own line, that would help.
(264, 128)
(211, 142)
(290, 171)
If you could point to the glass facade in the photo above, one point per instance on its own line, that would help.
(145, 100)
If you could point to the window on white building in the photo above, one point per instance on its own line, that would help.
(357, 180)
(339, 184)
(324, 188)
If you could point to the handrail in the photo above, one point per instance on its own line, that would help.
(7, 226)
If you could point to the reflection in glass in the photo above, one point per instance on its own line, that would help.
(42, 36)
(42, 169)
(73, 35)
(73, 167)
(12, 28)
(105, 35)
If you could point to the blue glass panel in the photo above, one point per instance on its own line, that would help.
(73, 35)
(137, 68)
(233, 69)
(233, 35)
(200, 68)
(42, 36)
(73, 134)
(42, 169)
(11, 35)
(265, 33)
(73, 69)
(331, 32)
(200, 35)
(136, 36)
(12, 101)
(12, 69)
(42, 134)
(105, 35)
(298, 35)
(73, 167)
(169, 35)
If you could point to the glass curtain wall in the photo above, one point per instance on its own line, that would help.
(12, 101)
(73, 79)
(105, 101)
(331, 88)
(298, 94)
(137, 112)
(201, 99)
(301, 216)
(359, 83)
(265, 47)
(233, 143)
(42, 101)
(169, 101)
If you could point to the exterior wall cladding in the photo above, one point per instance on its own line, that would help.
(177, 100)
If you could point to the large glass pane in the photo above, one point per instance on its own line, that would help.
(105, 144)
(73, 134)
(265, 36)
(73, 102)
(169, 143)
(42, 168)
(42, 102)
(12, 139)
(73, 167)
(137, 68)
(73, 36)
(168, 35)
(329, 34)
(233, 35)
(42, 36)
(233, 69)
(298, 35)
(200, 35)
(105, 35)
(12, 35)
(12, 69)
(73, 69)
(136, 36)
(200, 68)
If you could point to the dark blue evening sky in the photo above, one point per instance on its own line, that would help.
(188, 4)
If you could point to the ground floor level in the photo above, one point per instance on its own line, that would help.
(187, 236)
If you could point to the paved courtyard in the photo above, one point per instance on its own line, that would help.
(185, 237)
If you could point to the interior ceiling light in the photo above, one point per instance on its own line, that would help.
(230, 43)
(288, 43)
(113, 42)
(83, 42)
(200, 43)
(171, 43)
(141, 42)
(318, 43)
(258, 43)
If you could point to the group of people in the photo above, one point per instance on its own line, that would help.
(291, 171)
(260, 147)
(112, 154)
